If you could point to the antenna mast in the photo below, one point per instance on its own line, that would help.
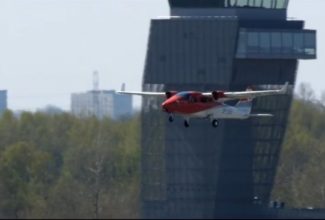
(95, 80)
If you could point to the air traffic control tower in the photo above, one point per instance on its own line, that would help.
(206, 45)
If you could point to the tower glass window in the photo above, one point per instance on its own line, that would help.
(264, 4)
(287, 42)
(298, 43)
(268, 4)
(310, 43)
(253, 42)
(265, 41)
(277, 44)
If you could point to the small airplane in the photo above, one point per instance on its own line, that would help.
(193, 104)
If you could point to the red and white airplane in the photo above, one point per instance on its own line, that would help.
(192, 104)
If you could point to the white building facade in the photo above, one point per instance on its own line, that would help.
(102, 104)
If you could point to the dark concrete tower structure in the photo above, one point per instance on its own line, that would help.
(205, 45)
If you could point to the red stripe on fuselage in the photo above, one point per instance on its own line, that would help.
(195, 102)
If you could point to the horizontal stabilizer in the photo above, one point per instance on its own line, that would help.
(261, 115)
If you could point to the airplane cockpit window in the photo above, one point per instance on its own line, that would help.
(205, 99)
(184, 96)
(192, 99)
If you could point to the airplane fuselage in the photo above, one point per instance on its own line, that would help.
(195, 105)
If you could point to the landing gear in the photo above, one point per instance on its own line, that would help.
(215, 123)
(170, 118)
(186, 124)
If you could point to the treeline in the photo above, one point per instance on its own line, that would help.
(60, 166)
(300, 180)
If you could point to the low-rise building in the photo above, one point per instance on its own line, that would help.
(101, 103)
(3, 100)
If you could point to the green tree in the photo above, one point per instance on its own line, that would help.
(60, 166)
(23, 171)
(8, 130)
(300, 178)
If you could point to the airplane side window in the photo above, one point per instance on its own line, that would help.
(204, 99)
(192, 99)
(183, 97)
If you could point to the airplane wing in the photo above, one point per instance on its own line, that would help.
(154, 94)
(251, 94)
(254, 94)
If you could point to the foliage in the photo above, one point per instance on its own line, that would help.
(300, 180)
(60, 166)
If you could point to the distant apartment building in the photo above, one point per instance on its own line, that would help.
(3, 100)
(101, 103)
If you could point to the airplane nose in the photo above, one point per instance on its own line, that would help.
(168, 105)
(164, 106)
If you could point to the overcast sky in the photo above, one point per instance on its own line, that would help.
(49, 48)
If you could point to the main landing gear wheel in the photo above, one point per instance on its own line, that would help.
(170, 118)
(215, 123)
(186, 124)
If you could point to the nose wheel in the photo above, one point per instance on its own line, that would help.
(170, 118)
(215, 123)
(186, 124)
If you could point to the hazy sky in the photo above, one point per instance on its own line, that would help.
(49, 48)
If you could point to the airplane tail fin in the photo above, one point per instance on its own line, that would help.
(284, 89)
(245, 104)
(123, 87)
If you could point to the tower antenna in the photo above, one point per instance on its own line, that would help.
(95, 80)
